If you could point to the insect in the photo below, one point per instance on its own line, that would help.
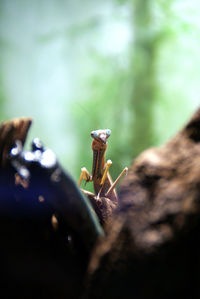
(102, 181)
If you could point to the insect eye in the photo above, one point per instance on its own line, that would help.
(108, 132)
(94, 134)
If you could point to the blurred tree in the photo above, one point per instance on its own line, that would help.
(2, 104)
(159, 107)
(144, 79)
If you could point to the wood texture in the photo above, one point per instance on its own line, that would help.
(152, 245)
(15, 129)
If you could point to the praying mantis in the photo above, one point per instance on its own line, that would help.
(102, 181)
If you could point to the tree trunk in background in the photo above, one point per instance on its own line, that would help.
(2, 104)
(144, 63)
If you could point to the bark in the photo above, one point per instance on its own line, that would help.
(16, 129)
(152, 245)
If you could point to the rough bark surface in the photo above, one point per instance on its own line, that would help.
(104, 208)
(152, 245)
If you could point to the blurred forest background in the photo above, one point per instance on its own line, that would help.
(78, 65)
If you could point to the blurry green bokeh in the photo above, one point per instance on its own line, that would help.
(75, 66)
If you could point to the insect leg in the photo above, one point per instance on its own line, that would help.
(88, 193)
(84, 176)
(107, 166)
(117, 180)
